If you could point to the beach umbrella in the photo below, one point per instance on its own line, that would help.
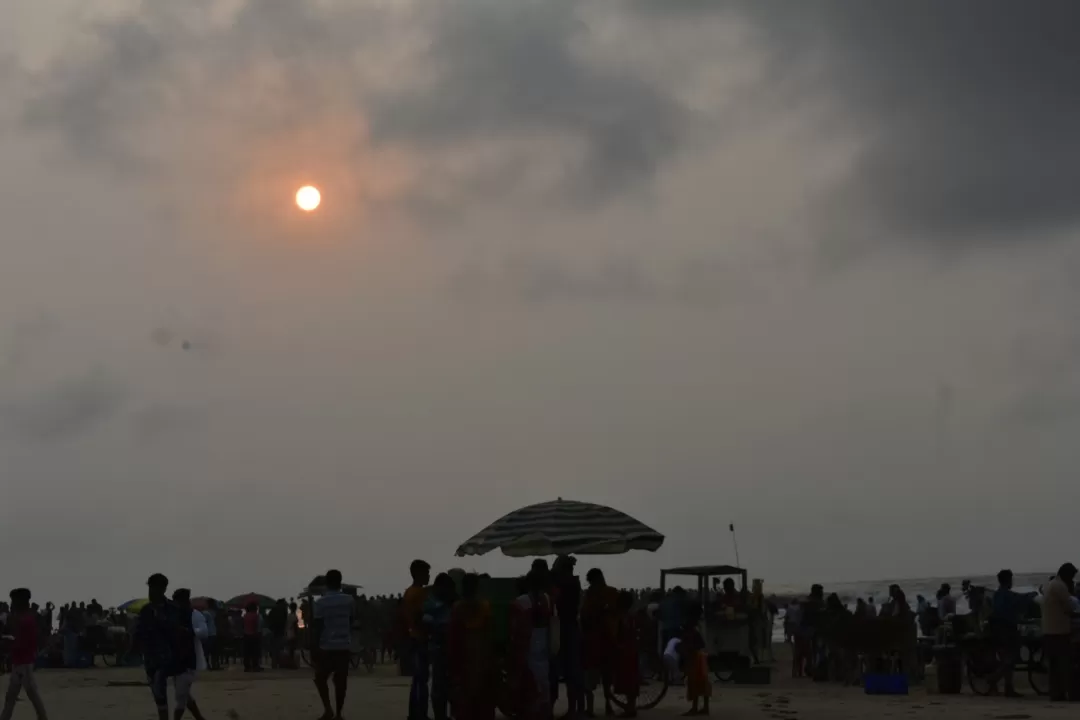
(563, 527)
(202, 603)
(265, 602)
(133, 606)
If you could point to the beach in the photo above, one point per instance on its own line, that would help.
(111, 694)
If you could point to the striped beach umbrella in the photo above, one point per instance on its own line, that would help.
(563, 527)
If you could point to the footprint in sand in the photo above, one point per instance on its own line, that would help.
(1012, 717)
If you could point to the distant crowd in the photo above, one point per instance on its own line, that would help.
(830, 639)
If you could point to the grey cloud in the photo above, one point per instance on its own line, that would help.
(155, 421)
(968, 108)
(535, 277)
(511, 68)
(492, 73)
(67, 409)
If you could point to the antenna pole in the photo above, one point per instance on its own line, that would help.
(735, 541)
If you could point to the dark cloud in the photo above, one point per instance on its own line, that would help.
(967, 109)
(492, 87)
(67, 409)
(510, 69)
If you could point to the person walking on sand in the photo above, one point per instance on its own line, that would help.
(190, 657)
(412, 611)
(331, 644)
(1057, 613)
(168, 648)
(22, 624)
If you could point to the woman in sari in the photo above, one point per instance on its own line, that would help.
(470, 653)
(530, 630)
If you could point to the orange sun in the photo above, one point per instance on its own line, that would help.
(308, 198)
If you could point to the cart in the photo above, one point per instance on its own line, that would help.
(726, 634)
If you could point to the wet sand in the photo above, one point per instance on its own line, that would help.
(290, 695)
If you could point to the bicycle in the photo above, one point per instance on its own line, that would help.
(984, 664)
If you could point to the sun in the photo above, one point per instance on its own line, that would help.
(308, 198)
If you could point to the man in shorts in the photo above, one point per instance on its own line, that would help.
(331, 643)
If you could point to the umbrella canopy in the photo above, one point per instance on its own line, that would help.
(563, 527)
(133, 606)
(202, 603)
(264, 602)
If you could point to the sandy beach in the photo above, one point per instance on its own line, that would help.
(103, 694)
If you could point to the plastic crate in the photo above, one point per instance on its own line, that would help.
(758, 675)
(886, 684)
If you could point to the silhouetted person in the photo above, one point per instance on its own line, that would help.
(23, 625)
(1056, 628)
(331, 643)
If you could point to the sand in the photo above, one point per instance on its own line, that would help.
(290, 695)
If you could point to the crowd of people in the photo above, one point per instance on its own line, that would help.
(831, 640)
(559, 632)
(588, 638)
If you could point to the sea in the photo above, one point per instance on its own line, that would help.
(849, 592)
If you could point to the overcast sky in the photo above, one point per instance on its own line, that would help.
(807, 267)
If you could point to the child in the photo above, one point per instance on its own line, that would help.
(627, 674)
(23, 625)
(696, 664)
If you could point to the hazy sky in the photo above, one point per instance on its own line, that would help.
(809, 267)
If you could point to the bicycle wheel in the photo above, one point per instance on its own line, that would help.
(1038, 672)
(981, 666)
(653, 686)
(109, 659)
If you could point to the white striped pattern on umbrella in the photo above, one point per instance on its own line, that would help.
(563, 527)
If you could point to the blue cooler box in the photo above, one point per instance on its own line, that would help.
(877, 684)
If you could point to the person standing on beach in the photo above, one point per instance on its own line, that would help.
(1057, 614)
(331, 644)
(567, 596)
(1008, 610)
(436, 620)
(291, 627)
(275, 621)
(22, 624)
(412, 609)
(599, 625)
(252, 638)
(946, 602)
(470, 654)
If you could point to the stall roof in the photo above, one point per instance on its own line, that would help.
(700, 570)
